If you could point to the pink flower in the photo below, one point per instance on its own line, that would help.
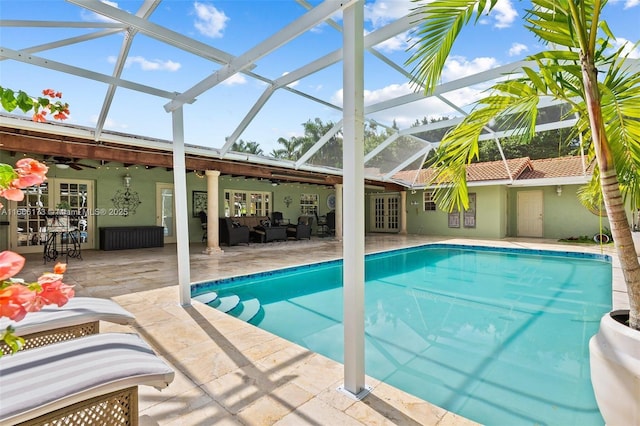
(31, 166)
(13, 301)
(54, 292)
(10, 264)
(14, 194)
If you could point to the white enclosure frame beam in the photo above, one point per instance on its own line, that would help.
(180, 204)
(321, 142)
(246, 60)
(82, 72)
(156, 31)
(353, 179)
(144, 12)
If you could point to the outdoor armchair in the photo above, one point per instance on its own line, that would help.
(232, 234)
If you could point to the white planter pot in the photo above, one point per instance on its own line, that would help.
(636, 241)
(615, 371)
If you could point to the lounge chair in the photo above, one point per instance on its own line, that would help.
(90, 380)
(81, 316)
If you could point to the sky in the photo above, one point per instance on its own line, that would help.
(236, 26)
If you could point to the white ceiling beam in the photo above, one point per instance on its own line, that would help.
(375, 151)
(394, 28)
(59, 24)
(424, 151)
(247, 119)
(321, 142)
(143, 12)
(70, 41)
(460, 83)
(291, 31)
(156, 31)
(81, 72)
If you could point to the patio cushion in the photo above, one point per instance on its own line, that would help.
(44, 379)
(78, 310)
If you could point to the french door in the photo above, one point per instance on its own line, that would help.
(165, 211)
(385, 209)
(29, 219)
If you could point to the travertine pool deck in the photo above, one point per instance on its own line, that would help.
(231, 373)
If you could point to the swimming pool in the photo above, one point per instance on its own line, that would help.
(498, 336)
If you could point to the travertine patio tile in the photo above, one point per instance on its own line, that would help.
(310, 412)
(193, 404)
(272, 407)
(317, 373)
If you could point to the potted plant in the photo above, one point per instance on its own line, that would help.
(63, 207)
(581, 68)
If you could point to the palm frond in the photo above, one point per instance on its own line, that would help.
(440, 24)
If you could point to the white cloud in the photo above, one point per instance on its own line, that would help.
(210, 21)
(92, 16)
(394, 44)
(235, 80)
(504, 13)
(517, 48)
(149, 65)
(381, 12)
(109, 123)
(631, 3)
(457, 67)
(628, 48)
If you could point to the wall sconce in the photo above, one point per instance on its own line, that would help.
(559, 190)
(287, 201)
(415, 202)
(126, 201)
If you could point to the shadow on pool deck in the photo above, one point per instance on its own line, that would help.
(230, 372)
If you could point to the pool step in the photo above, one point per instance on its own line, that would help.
(206, 298)
(226, 303)
(246, 309)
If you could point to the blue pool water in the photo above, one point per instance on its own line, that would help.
(500, 337)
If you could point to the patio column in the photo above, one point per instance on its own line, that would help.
(353, 212)
(213, 236)
(403, 212)
(338, 187)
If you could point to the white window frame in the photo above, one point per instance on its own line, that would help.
(429, 204)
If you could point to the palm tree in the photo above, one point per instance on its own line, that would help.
(578, 68)
(251, 147)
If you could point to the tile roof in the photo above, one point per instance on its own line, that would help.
(556, 167)
(521, 169)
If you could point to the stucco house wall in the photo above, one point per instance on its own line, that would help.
(563, 215)
(491, 215)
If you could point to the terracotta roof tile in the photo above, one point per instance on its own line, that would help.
(521, 168)
(556, 167)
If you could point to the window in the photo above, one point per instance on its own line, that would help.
(308, 204)
(246, 203)
(429, 203)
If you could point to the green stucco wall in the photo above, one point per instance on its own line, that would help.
(563, 215)
(491, 213)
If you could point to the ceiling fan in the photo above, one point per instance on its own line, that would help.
(65, 163)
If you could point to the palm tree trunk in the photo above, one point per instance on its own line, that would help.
(620, 229)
